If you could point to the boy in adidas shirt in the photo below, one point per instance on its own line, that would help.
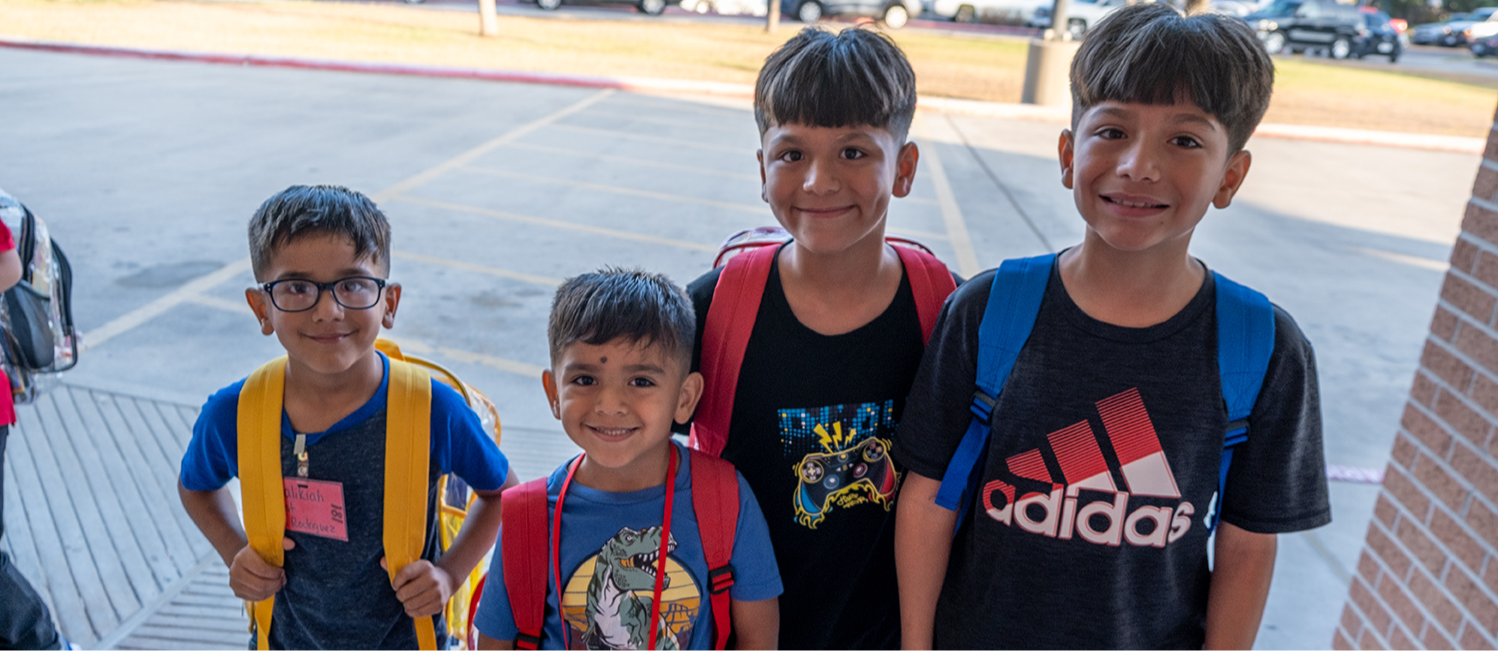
(1089, 524)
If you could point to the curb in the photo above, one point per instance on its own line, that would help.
(1456, 144)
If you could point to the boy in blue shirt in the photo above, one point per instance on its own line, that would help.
(323, 255)
(621, 344)
(1090, 524)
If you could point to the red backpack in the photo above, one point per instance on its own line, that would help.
(730, 319)
(526, 537)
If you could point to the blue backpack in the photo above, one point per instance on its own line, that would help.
(1245, 340)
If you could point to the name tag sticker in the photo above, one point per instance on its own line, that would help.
(316, 508)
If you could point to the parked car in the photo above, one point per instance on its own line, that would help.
(651, 7)
(727, 7)
(1481, 22)
(1003, 12)
(893, 13)
(1379, 37)
(1300, 25)
(1081, 15)
(1434, 33)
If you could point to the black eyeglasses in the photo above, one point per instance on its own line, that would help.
(299, 295)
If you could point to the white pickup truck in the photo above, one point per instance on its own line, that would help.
(1081, 15)
(1003, 12)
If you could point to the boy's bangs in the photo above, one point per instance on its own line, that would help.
(835, 94)
(822, 79)
(612, 305)
(1153, 55)
(301, 211)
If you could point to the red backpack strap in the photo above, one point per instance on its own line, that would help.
(524, 536)
(725, 338)
(931, 283)
(715, 501)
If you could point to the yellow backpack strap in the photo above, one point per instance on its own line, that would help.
(259, 433)
(408, 450)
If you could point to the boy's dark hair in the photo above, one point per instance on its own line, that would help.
(1151, 54)
(303, 210)
(644, 308)
(819, 78)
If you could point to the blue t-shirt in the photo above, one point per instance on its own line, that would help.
(459, 443)
(336, 594)
(605, 536)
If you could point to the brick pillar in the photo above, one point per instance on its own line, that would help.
(1428, 574)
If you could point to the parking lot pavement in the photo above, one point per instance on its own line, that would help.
(147, 173)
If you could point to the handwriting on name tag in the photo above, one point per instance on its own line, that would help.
(316, 508)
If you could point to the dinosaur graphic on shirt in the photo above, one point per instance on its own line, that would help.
(619, 619)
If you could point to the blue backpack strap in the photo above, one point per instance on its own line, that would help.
(1245, 340)
(1013, 303)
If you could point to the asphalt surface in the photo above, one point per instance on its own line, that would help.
(147, 173)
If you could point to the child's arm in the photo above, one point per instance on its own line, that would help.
(218, 518)
(1243, 565)
(923, 543)
(424, 587)
(756, 623)
(486, 642)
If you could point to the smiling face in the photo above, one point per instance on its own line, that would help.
(1143, 175)
(328, 341)
(830, 186)
(617, 401)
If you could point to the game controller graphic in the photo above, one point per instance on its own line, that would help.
(862, 473)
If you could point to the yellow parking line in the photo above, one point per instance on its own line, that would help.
(472, 154)
(629, 160)
(761, 209)
(407, 345)
(554, 223)
(915, 235)
(686, 123)
(962, 244)
(143, 314)
(465, 266)
(657, 139)
(135, 318)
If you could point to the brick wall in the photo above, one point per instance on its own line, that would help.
(1428, 574)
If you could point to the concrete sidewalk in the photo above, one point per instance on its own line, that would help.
(147, 171)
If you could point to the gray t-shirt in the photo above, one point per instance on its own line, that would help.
(337, 596)
(1089, 528)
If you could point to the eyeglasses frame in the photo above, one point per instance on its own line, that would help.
(380, 284)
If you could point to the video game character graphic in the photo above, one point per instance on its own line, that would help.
(609, 603)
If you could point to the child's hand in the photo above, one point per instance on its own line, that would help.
(422, 587)
(252, 578)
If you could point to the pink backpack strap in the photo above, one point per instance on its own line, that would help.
(725, 338)
(715, 501)
(930, 282)
(524, 536)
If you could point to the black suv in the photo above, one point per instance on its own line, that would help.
(1378, 38)
(1300, 25)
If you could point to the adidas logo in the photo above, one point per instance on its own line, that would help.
(1076, 451)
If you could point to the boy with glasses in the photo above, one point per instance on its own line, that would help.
(322, 255)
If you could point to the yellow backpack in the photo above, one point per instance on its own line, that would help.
(407, 459)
